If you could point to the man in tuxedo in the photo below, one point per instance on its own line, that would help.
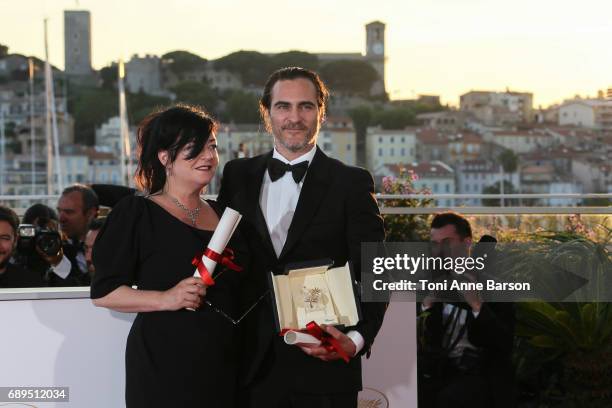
(300, 205)
(466, 347)
(77, 208)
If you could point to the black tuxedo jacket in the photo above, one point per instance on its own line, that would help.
(493, 332)
(335, 213)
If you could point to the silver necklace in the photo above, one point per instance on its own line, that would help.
(191, 214)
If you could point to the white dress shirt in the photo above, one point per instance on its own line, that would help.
(278, 201)
(451, 334)
(63, 268)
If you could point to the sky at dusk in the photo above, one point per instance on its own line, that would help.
(555, 49)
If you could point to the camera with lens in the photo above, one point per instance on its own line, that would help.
(41, 237)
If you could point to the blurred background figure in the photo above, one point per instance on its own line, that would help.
(11, 275)
(77, 208)
(90, 238)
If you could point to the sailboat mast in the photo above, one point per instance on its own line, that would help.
(32, 131)
(48, 117)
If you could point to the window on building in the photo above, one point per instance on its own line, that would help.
(435, 187)
(392, 139)
(403, 152)
(380, 140)
(447, 188)
(348, 147)
(380, 152)
(392, 152)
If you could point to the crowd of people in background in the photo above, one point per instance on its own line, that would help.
(50, 247)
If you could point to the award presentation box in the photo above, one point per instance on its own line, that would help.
(315, 291)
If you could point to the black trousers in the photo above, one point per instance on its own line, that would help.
(271, 390)
(454, 388)
(283, 398)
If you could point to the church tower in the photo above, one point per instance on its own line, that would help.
(375, 54)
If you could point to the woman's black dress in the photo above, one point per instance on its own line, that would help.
(173, 359)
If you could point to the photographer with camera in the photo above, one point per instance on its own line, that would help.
(77, 208)
(465, 347)
(11, 275)
(38, 237)
(59, 256)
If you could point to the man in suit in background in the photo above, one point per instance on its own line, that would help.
(300, 205)
(465, 352)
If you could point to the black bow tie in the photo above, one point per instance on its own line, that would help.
(276, 169)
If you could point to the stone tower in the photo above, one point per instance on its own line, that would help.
(77, 42)
(375, 54)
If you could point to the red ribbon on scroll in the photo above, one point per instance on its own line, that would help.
(226, 259)
(327, 341)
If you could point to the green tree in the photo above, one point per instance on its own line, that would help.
(180, 62)
(508, 160)
(91, 107)
(3, 50)
(141, 104)
(195, 93)
(109, 76)
(242, 107)
(496, 189)
(352, 77)
(362, 118)
(394, 118)
(294, 59)
(252, 67)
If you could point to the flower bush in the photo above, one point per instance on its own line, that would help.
(405, 227)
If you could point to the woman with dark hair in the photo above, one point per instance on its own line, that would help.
(174, 356)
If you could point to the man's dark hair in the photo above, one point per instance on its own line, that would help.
(89, 197)
(462, 225)
(97, 223)
(290, 73)
(8, 215)
(39, 211)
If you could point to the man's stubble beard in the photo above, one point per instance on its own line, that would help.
(311, 140)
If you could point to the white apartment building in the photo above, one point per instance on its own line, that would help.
(390, 147)
(473, 176)
(588, 113)
(339, 143)
(520, 141)
(108, 136)
(498, 108)
(594, 175)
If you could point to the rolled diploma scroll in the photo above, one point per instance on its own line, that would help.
(223, 233)
(293, 337)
